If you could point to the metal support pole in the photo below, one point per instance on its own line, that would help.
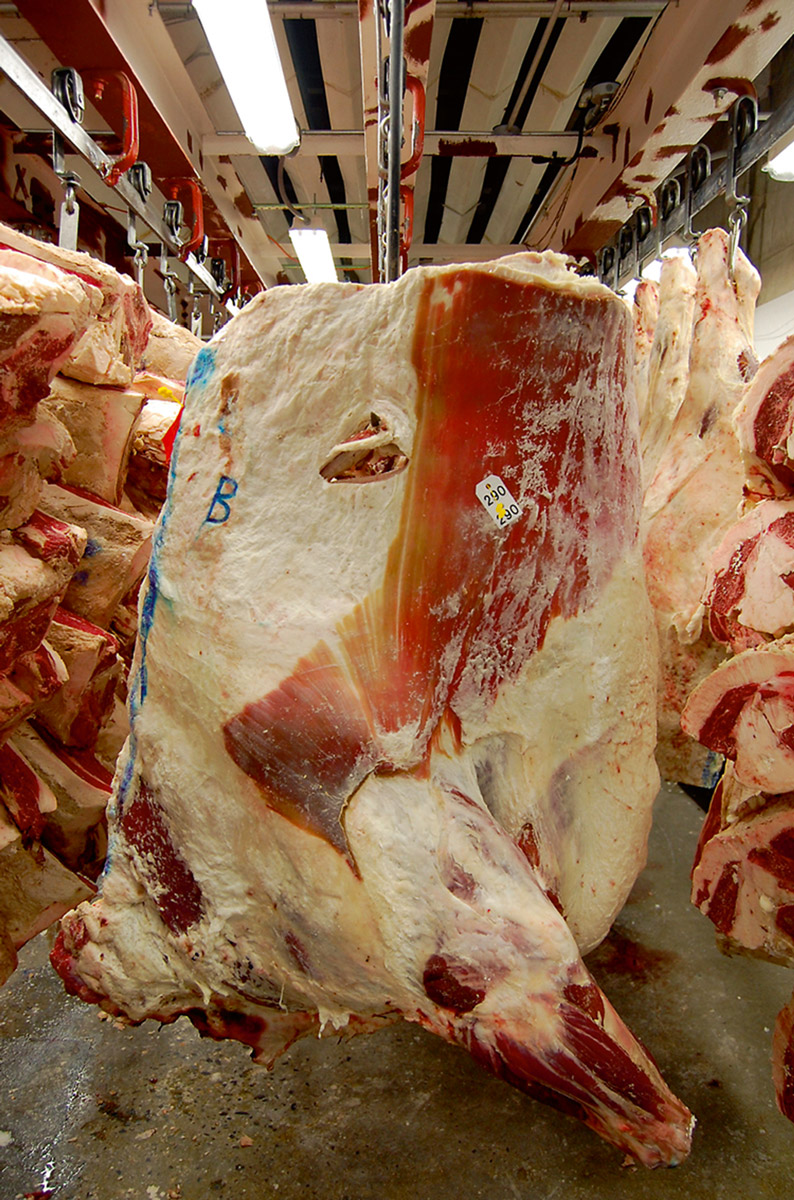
(396, 92)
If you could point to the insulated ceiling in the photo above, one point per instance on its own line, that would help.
(517, 151)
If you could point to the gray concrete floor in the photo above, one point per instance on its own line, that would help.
(92, 1112)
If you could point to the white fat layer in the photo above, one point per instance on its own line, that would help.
(574, 755)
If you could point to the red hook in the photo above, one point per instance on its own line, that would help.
(416, 88)
(406, 236)
(197, 212)
(97, 81)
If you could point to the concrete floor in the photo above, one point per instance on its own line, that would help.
(92, 1112)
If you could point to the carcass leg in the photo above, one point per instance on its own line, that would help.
(482, 957)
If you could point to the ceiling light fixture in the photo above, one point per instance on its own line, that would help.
(314, 252)
(241, 38)
(781, 165)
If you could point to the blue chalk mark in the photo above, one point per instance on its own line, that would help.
(139, 681)
(92, 547)
(115, 809)
(202, 368)
(712, 769)
(220, 509)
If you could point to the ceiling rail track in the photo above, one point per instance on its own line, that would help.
(23, 77)
(684, 194)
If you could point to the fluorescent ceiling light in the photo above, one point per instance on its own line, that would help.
(241, 38)
(653, 269)
(314, 253)
(781, 166)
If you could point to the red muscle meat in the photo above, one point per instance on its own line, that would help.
(751, 592)
(745, 710)
(765, 425)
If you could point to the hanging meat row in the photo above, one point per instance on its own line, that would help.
(91, 381)
(718, 447)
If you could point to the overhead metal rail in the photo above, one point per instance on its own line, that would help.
(447, 144)
(686, 193)
(149, 210)
(318, 9)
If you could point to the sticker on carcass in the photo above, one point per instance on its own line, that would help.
(497, 501)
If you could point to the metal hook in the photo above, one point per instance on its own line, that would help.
(169, 283)
(139, 261)
(698, 168)
(744, 120)
(737, 219)
(70, 212)
(140, 251)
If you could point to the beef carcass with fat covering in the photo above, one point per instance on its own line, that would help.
(666, 368)
(36, 565)
(765, 426)
(100, 421)
(170, 349)
(113, 342)
(745, 710)
(391, 751)
(646, 314)
(76, 711)
(75, 830)
(116, 552)
(43, 312)
(155, 428)
(35, 890)
(694, 495)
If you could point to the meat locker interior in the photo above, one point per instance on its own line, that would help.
(396, 599)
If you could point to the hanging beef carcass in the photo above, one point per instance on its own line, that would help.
(391, 751)
(113, 342)
(743, 875)
(43, 313)
(765, 426)
(646, 314)
(666, 369)
(696, 490)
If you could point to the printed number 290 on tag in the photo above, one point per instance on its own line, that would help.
(497, 501)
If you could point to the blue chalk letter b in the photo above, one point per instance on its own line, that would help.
(220, 509)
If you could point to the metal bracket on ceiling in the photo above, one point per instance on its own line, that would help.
(595, 101)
